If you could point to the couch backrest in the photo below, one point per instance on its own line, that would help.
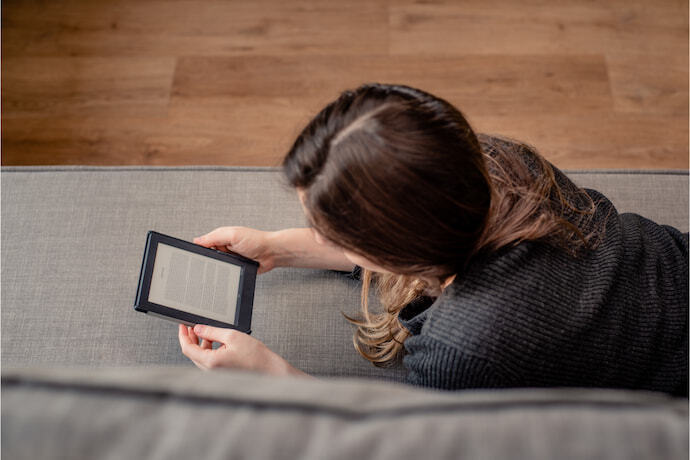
(175, 414)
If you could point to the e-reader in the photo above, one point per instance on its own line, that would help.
(191, 284)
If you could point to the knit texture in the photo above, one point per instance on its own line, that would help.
(535, 316)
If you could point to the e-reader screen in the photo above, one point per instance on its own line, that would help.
(192, 284)
(195, 283)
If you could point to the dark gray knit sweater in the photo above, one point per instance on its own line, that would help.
(535, 316)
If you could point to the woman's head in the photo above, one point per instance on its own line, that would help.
(396, 176)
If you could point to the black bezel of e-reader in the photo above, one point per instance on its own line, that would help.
(245, 292)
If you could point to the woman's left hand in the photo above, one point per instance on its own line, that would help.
(237, 350)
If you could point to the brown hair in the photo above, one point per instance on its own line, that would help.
(398, 176)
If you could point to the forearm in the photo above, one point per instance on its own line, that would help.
(296, 247)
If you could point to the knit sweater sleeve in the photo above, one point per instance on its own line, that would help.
(431, 363)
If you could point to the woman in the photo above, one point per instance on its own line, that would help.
(494, 269)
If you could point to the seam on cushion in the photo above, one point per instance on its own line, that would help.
(623, 172)
(663, 172)
(137, 168)
(654, 401)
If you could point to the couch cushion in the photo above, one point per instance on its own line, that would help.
(73, 237)
(185, 413)
(661, 196)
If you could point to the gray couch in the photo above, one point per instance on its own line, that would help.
(85, 376)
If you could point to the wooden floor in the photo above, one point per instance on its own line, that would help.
(591, 83)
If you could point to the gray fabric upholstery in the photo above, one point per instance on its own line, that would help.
(73, 237)
(175, 414)
(661, 196)
(72, 246)
(72, 240)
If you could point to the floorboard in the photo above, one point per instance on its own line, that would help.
(592, 84)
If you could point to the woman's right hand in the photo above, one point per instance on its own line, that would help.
(290, 247)
(247, 242)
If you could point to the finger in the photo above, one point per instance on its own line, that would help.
(183, 334)
(192, 336)
(220, 237)
(206, 344)
(202, 358)
(185, 343)
(215, 334)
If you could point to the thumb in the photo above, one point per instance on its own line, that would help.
(215, 334)
(219, 237)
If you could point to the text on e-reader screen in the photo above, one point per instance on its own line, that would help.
(194, 283)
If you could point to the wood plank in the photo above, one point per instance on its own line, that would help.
(602, 140)
(170, 28)
(480, 84)
(538, 26)
(86, 86)
(593, 84)
(231, 133)
(238, 132)
(655, 83)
